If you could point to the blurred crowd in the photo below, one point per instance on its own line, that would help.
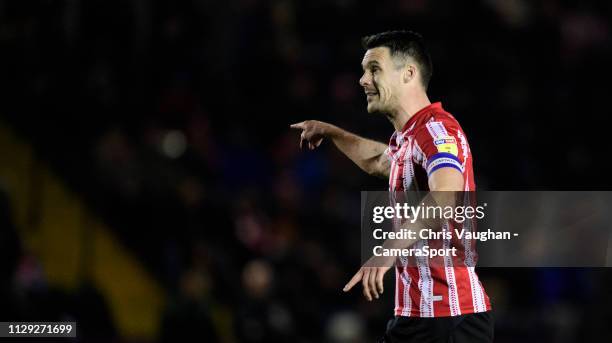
(171, 119)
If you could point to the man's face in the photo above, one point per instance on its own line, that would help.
(381, 80)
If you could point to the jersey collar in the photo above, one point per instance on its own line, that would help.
(410, 123)
(397, 139)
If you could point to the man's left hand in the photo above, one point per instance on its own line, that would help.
(371, 276)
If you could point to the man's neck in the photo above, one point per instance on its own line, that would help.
(408, 107)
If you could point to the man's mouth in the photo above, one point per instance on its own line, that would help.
(371, 94)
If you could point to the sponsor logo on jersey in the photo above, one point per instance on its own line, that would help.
(447, 144)
(447, 140)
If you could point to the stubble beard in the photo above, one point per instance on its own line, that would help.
(377, 109)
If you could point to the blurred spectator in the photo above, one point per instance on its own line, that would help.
(171, 120)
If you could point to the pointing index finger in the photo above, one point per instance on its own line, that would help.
(356, 278)
(299, 125)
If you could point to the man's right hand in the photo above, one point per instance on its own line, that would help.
(313, 132)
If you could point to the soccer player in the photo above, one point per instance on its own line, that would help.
(427, 151)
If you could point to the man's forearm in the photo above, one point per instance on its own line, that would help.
(367, 154)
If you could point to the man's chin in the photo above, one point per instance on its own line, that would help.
(372, 109)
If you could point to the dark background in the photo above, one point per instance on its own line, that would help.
(170, 119)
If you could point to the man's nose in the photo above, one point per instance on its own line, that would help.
(364, 80)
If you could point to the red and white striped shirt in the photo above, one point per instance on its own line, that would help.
(433, 139)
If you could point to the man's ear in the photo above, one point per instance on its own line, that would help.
(409, 73)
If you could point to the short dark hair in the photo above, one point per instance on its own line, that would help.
(403, 43)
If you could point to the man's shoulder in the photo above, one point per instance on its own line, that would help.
(437, 120)
(442, 116)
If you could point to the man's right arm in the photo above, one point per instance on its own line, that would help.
(367, 154)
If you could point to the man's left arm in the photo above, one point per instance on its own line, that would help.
(443, 183)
